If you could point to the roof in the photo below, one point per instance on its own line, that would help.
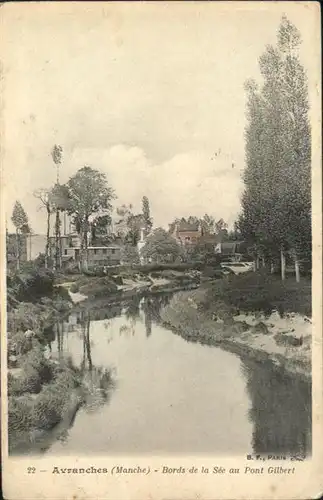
(103, 247)
(210, 238)
(185, 226)
(228, 247)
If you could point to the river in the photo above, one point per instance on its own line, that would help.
(169, 395)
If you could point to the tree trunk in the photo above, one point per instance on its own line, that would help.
(86, 261)
(283, 264)
(272, 268)
(60, 244)
(83, 249)
(263, 262)
(47, 239)
(57, 241)
(257, 263)
(297, 268)
(29, 246)
(17, 250)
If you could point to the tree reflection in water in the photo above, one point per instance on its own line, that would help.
(98, 381)
(281, 411)
(150, 305)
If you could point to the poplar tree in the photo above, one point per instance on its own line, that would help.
(20, 221)
(146, 214)
(276, 203)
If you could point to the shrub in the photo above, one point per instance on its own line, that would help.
(26, 316)
(98, 287)
(19, 344)
(20, 414)
(48, 408)
(35, 361)
(30, 283)
(51, 403)
(74, 288)
(28, 381)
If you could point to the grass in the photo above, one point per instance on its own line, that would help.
(55, 385)
(261, 292)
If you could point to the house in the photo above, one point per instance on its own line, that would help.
(231, 249)
(96, 255)
(67, 242)
(209, 242)
(70, 246)
(104, 256)
(187, 233)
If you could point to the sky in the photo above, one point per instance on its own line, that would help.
(144, 92)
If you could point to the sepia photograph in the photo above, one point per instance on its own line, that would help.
(158, 229)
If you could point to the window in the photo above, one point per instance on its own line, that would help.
(187, 238)
(113, 251)
(104, 251)
(65, 251)
(95, 252)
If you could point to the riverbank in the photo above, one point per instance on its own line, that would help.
(44, 391)
(126, 284)
(283, 340)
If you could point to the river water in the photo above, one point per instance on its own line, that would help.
(168, 395)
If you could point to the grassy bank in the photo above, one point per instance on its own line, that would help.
(254, 316)
(41, 391)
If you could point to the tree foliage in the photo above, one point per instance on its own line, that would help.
(88, 193)
(276, 203)
(20, 221)
(146, 214)
(19, 218)
(160, 246)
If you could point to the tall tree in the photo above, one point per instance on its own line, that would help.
(43, 196)
(89, 194)
(276, 201)
(146, 214)
(57, 153)
(20, 221)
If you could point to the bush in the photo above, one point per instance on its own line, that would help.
(98, 287)
(19, 344)
(26, 316)
(20, 414)
(35, 361)
(74, 288)
(48, 408)
(51, 403)
(29, 382)
(30, 284)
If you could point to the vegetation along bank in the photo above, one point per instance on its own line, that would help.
(44, 391)
(255, 316)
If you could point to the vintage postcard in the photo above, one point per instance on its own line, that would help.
(161, 248)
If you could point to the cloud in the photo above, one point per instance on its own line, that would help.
(186, 184)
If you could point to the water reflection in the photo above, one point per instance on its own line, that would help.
(266, 411)
(281, 411)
